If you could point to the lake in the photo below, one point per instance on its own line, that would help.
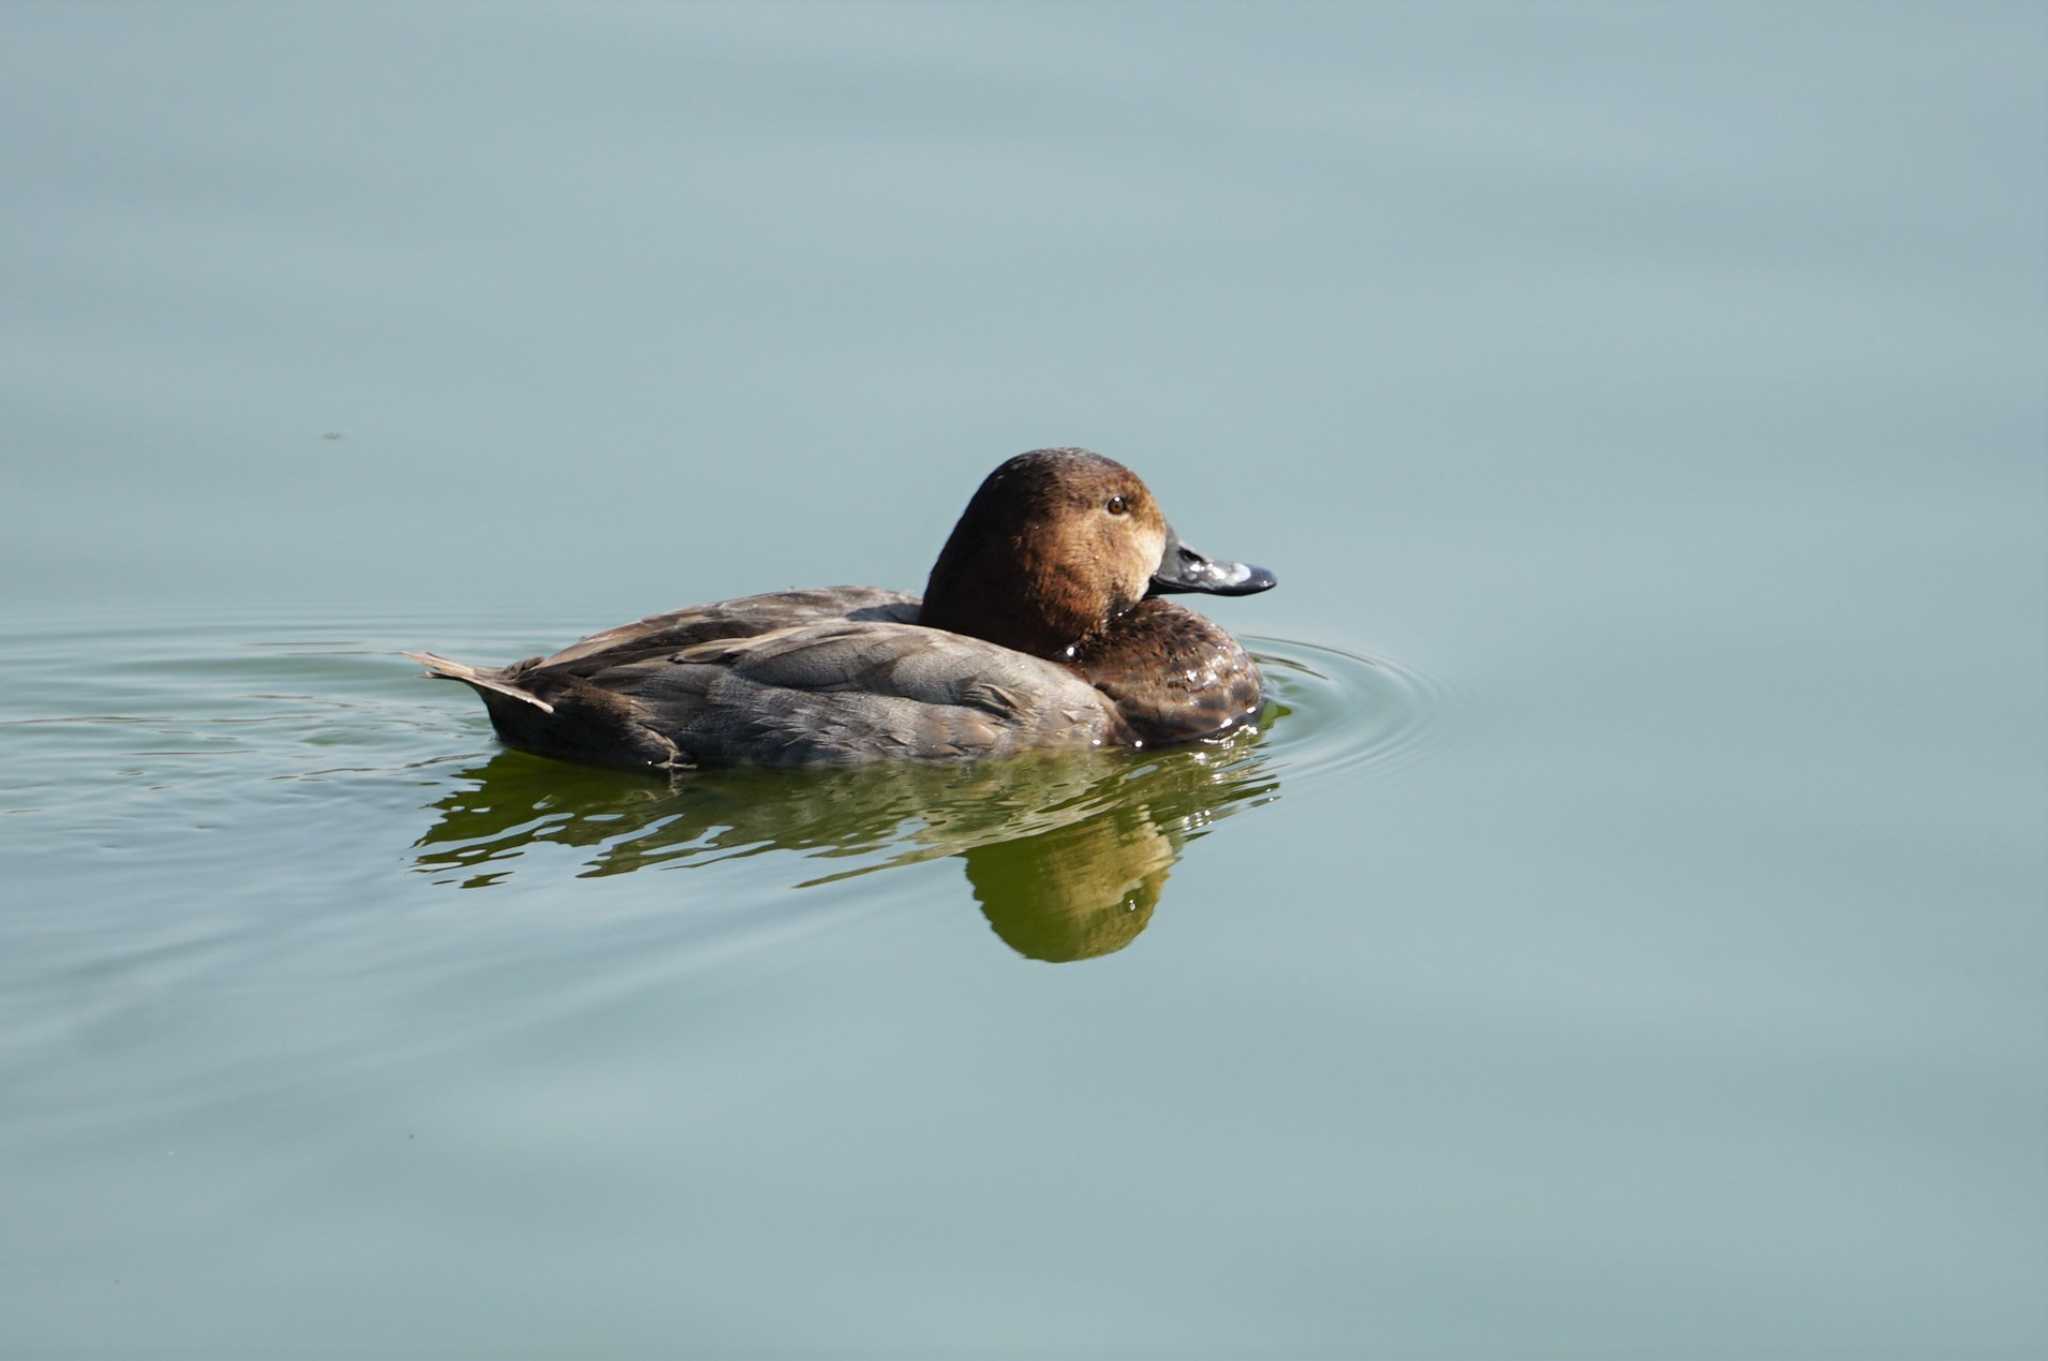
(1622, 935)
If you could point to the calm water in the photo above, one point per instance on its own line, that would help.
(1623, 936)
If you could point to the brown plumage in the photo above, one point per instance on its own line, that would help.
(1035, 632)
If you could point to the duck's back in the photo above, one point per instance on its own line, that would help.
(745, 617)
(836, 676)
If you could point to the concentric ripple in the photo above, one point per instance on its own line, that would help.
(1331, 710)
(118, 737)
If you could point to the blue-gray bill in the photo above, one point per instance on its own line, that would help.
(1182, 569)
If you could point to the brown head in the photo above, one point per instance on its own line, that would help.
(1057, 544)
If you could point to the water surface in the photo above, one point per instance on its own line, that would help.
(1621, 938)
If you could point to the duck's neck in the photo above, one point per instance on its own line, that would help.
(1040, 627)
(1014, 600)
(1002, 577)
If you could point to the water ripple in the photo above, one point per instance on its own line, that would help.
(115, 743)
(1340, 711)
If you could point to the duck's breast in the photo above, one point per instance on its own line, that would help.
(1172, 675)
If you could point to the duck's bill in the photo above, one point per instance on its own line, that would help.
(1182, 569)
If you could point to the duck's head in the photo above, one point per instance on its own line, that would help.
(1055, 545)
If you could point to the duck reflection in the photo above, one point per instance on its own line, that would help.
(1067, 857)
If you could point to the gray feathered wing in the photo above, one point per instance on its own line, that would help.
(834, 676)
(851, 690)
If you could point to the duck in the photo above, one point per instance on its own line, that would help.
(1043, 627)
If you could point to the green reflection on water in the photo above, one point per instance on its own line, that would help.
(1067, 857)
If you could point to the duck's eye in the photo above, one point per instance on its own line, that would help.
(1117, 505)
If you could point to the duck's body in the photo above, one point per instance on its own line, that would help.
(1035, 633)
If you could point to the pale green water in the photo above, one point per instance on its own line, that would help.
(1624, 938)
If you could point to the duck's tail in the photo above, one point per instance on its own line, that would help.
(440, 668)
